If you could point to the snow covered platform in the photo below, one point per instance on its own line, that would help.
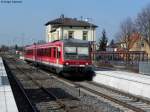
(133, 83)
(7, 101)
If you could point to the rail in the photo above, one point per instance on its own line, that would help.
(33, 108)
(62, 105)
(110, 98)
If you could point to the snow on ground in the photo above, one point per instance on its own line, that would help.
(133, 83)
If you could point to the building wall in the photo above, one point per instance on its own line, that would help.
(47, 33)
(137, 47)
(62, 33)
(78, 33)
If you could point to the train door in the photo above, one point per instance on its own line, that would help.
(50, 54)
(58, 55)
(57, 60)
(53, 51)
(55, 55)
(35, 53)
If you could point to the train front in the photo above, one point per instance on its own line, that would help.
(77, 59)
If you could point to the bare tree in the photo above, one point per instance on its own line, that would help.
(143, 22)
(127, 27)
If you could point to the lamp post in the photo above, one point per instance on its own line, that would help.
(92, 36)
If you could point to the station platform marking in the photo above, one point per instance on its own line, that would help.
(7, 101)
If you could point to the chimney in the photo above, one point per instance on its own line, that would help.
(81, 18)
(75, 18)
(62, 16)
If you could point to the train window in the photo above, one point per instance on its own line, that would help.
(50, 50)
(40, 53)
(70, 50)
(44, 50)
(47, 52)
(37, 52)
(29, 52)
(54, 51)
(58, 53)
(83, 50)
(40, 50)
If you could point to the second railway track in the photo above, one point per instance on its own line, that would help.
(134, 103)
(128, 101)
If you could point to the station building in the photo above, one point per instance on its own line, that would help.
(65, 28)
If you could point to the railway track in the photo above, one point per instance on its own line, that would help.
(46, 94)
(134, 103)
(19, 93)
(129, 102)
(56, 105)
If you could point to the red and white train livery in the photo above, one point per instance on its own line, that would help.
(69, 55)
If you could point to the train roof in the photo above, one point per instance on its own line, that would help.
(75, 41)
(58, 42)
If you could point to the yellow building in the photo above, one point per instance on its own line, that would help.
(138, 43)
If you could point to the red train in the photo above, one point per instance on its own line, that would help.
(63, 56)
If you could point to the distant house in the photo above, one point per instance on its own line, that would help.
(65, 28)
(136, 43)
(139, 43)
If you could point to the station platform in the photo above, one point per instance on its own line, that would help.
(134, 83)
(7, 101)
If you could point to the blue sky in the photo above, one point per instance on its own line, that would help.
(23, 23)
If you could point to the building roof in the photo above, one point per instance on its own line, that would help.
(134, 38)
(63, 21)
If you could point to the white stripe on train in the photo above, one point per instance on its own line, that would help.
(47, 63)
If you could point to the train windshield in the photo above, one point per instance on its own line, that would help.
(70, 50)
(76, 52)
(83, 51)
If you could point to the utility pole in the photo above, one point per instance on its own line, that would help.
(22, 39)
(89, 20)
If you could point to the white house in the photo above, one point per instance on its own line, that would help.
(64, 28)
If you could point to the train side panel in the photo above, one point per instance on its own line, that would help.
(51, 55)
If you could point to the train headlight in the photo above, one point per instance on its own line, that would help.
(67, 63)
(86, 64)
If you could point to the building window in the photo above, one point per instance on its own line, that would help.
(85, 35)
(142, 44)
(70, 34)
(138, 45)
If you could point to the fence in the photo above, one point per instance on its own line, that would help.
(120, 58)
(144, 68)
